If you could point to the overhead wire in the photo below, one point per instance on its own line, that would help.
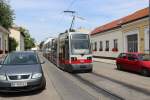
(67, 8)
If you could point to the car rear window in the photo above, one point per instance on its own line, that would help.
(122, 55)
(144, 57)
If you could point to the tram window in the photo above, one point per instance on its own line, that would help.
(67, 49)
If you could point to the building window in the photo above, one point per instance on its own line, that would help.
(107, 46)
(132, 43)
(100, 46)
(115, 45)
(95, 46)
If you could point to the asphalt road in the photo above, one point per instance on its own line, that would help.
(85, 86)
(59, 87)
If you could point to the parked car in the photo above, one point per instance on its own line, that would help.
(20, 72)
(135, 62)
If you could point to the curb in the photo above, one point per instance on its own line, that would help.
(105, 62)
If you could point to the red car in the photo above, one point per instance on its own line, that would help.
(135, 62)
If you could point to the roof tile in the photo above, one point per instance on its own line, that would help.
(117, 23)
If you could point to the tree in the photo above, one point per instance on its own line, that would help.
(6, 14)
(12, 44)
(28, 41)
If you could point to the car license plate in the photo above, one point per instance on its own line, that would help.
(18, 84)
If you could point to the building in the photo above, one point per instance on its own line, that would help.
(4, 34)
(19, 37)
(127, 34)
(135, 31)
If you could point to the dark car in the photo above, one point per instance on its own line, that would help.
(135, 62)
(20, 72)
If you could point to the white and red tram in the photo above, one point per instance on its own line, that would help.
(74, 51)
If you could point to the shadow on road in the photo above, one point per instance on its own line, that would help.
(20, 94)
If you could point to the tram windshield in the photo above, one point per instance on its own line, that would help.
(80, 44)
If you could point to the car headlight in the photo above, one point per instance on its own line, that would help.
(37, 75)
(2, 77)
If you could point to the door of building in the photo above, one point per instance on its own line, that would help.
(132, 41)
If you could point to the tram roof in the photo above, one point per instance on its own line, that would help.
(73, 33)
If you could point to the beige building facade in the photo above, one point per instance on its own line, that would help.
(128, 34)
(19, 37)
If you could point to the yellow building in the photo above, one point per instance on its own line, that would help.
(18, 36)
(135, 31)
(127, 34)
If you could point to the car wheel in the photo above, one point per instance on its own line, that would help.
(90, 70)
(119, 67)
(145, 72)
(43, 84)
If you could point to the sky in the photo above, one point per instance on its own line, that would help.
(45, 18)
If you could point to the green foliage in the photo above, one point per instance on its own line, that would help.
(28, 41)
(12, 44)
(6, 14)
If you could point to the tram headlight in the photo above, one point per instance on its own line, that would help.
(73, 58)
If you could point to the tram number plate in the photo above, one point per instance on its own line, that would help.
(82, 61)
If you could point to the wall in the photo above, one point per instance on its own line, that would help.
(109, 35)
(4, 41)
(22, 47)
(137, 27)
(16, 35)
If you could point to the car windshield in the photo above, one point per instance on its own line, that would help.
(144, 57)
(21, 59)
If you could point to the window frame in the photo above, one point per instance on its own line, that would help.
(101, 46)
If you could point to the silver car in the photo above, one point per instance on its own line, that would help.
(20, 72)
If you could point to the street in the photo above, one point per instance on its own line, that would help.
(105, 83)
(74, 50)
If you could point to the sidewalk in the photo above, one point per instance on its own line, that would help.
(104, 60)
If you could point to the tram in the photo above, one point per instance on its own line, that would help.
(54, 51)
(74, 51)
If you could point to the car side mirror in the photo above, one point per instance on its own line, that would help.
(42, 62)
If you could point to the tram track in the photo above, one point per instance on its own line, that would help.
(86, 78)
(99, 89)
(96, 88)
(139, 89)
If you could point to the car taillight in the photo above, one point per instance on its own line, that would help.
(89, 58)
(73, 58)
